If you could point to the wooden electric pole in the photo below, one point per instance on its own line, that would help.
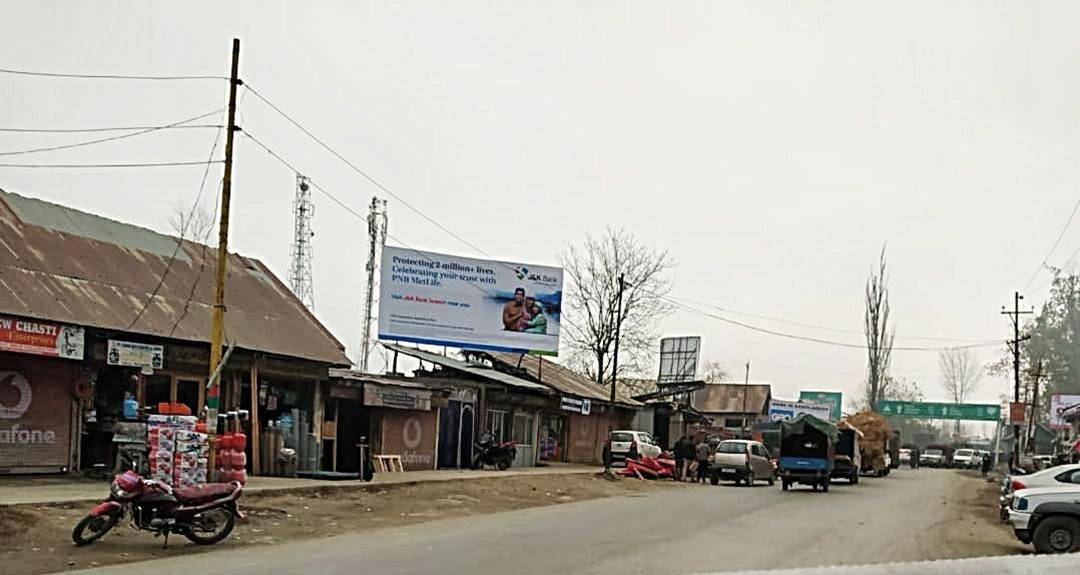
(615, 357)
(217, 329)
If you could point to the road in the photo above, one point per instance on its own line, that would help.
(911, 515)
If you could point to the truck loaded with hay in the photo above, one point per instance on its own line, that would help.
(874, 441)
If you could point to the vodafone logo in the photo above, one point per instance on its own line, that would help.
(412, 433)
(22, 387)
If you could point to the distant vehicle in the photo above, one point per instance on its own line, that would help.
(848, 460)
(1043, 461)
(741, 460)
(905, 455)
(1048, 518)
(642, 443)
(807, 452)
(932, 458)
(964, 458)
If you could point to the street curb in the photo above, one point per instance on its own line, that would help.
(329, 487)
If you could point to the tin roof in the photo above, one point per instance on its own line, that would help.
(474, 369)
(728, 398)
(560, 378)
(357, 375)
(64, 265)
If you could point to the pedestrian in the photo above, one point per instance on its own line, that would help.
(915, 457)
(702, 460)
(985, 464)
(689, 455)
(679, 451)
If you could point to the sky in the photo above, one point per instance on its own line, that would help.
(772, 148)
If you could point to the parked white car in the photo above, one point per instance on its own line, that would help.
(1048, 518)
(643, 443)
(964, 458)
(1060, 476)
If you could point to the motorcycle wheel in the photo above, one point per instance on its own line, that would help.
(210, 526)
(503, 464)
(476, 463)
(92, 528)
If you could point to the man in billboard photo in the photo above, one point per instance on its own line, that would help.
(514, 312)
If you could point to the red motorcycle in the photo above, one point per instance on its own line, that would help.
(204, 515)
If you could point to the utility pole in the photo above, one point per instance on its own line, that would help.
(376, 240)
(1035, 375)
(618, 325)
(1015, 344)
(745, 392)
(217, 330)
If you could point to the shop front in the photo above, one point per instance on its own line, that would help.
(41, 383)
(457, 427)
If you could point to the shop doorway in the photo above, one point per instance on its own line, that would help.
(468, 424)
(353, 424)
(456, 424)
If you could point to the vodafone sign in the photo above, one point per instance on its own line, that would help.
(22, 390)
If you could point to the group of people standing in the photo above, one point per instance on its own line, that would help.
(691, 459)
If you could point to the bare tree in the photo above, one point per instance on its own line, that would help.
(194, 224)
(879, 334)
(714, 372)
(960, 372)
(592, 271)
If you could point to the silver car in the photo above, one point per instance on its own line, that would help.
(741, 460)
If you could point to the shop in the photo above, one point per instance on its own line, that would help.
(457, 427)
(41, 385)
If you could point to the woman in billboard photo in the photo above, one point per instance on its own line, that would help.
(537, 322)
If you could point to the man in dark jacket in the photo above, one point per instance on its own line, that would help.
(679, 451)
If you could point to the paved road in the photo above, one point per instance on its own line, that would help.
(904, 517)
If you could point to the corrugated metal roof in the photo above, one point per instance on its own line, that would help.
(560, 378)
(357, 375)
(728, 398)
(60, 264)
(481, 371)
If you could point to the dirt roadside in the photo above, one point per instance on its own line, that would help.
(972, 527)
(37, 539)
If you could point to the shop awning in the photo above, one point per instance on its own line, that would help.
(474, 369)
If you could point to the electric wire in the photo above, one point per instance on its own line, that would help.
(131, 165)
(100, 129)
(106, 76)
(110, 138)
(1065, 228)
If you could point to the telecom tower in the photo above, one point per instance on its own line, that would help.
(300, 266)
(376, 240)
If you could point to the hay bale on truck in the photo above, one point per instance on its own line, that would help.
(876, 435)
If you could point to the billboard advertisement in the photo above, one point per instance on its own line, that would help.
(440, 299)
(834, 399)
(780, 410)
(1058, 404)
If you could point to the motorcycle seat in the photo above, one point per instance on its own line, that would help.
(208, 492)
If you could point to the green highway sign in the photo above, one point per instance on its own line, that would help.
(925, 410)
(833, 399)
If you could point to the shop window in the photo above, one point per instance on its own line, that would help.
(187, 393)
(499, 424)
(733, 422)
(523, 428)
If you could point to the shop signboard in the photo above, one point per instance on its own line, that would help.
(930, 410)
(432, 298)
(834, 399)
(41, 338)
(132, 354)
(780, 410)
(396, 397)
(1017, 412)
(1059, 403)
(576, 405)
(411, 434)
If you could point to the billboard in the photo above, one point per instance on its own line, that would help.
(679, 359)
(780, 410)
(834, 399)
(440, 299)
(1058, 404)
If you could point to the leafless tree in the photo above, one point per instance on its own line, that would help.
(960, 372)
(714, 372)
(195, 223)
(879, 333)
(590, 316)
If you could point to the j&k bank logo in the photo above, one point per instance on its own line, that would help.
(523, 273)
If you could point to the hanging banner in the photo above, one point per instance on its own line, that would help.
(131, 354)
(41, 338)
(1059, 404)
(780, 410)
(440, 299)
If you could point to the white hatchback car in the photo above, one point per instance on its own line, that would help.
(624, 439)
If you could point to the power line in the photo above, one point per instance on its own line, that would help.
(143, 165)
(365, 175)
(822, 341)
(110, 138)
(1042, 265)
(106, 76)
(105, 129)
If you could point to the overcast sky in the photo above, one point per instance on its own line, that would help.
(772, 149)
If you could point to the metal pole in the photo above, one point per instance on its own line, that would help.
(745, 392)
(618, 325)
(217, 330)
